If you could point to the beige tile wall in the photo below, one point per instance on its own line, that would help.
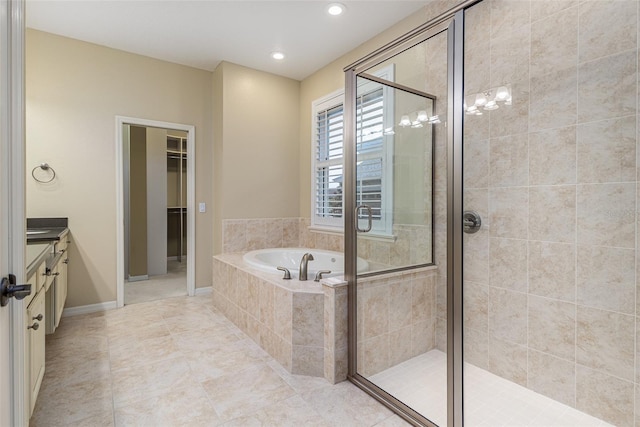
(396, 318)
(551, 279)
(411, 245)
(289, 325)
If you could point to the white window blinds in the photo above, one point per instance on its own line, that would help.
(328, 159)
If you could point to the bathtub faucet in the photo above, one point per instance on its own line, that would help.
(303, 266)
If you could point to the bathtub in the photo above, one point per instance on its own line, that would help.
(268, 259)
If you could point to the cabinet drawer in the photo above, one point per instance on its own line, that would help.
(41, 278)
(32, 280)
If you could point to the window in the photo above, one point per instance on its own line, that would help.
(375, 154)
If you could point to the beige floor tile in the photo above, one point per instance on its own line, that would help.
(241, 393)
(66, 404)
(138, 383)
(291, 412)
(180, 362)
(345, 404)
(186, 406)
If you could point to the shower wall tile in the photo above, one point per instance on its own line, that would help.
(400, 345)
(509, 212)
(553, 99)
(605, 341)
(541, 9)
(509, 164)
(375, 313)
(606, 278)
(422, 298)
(422, 337)
(512, 119)
(604, 396)
(476, 306)
(476, 347)
(508, 315)
(552, 213)
(552, 377)
(510, 57)
(606, 215)
(607, 27)
(508, 360)
(607, 151)
(554, 42)
(508, 16)
(552, 270)
(508, 264)
(400, 305)
(607, 87)
(552, 156)
(551, 295)
(552, 327)
(476, 158)
(375, 357)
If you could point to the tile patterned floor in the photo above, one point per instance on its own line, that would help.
(172, 284)
(490, 400)
(177, 362)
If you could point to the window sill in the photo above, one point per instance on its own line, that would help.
(340, 232)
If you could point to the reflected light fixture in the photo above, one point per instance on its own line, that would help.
(405, 121)
(335, 9)
(487, 100)
(278, 56)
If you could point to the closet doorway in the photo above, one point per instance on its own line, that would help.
(156, 210)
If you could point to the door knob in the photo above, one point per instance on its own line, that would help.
(9, 289)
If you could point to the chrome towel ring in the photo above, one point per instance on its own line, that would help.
(51, 173)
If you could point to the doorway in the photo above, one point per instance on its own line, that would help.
(156, 232)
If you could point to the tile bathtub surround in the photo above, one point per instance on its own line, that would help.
(551, 290)
(412, 244)
(198, 369)
(287, 322)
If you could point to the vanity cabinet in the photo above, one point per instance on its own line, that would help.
(36, 342)
(57, 291)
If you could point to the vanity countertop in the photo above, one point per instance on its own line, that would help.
(41, 230)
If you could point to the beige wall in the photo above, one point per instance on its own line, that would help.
(257, 148)
(330, 79)
(74, 91)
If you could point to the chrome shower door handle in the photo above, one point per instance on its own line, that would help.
(369, 219)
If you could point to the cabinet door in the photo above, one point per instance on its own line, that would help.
(61, 289)
(36, 328)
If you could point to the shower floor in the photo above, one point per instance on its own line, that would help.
(421, 383)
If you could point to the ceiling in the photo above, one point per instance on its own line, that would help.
(202, 33)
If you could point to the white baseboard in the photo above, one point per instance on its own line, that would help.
(91, 308)
(204, 291)
(138, 278)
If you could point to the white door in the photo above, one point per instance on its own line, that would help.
(12, 208)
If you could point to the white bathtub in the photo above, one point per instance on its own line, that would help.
(268, 260)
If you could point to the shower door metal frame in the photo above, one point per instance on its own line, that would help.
(451, 21)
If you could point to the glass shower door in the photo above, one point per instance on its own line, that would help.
(400, 210)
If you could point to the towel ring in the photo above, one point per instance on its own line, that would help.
(44, 167)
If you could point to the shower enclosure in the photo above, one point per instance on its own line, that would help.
(491, 180)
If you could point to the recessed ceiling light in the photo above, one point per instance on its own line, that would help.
(277, 56)
(335, 9)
